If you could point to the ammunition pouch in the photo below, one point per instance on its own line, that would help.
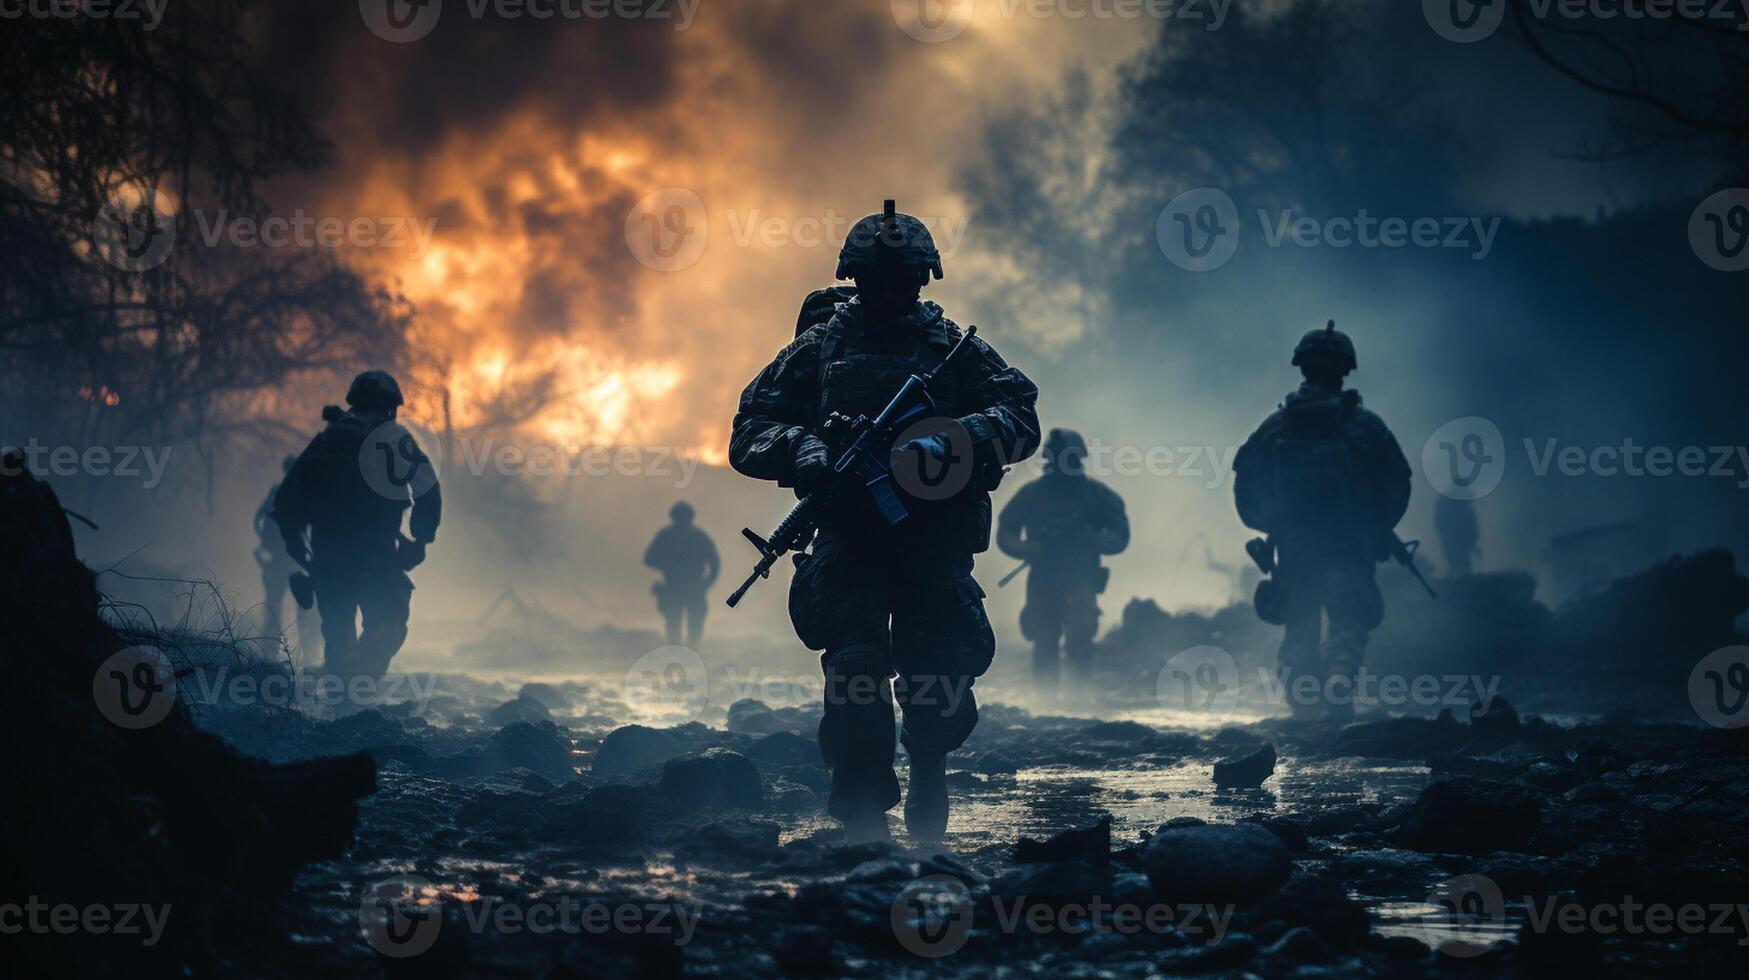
(1270, 602)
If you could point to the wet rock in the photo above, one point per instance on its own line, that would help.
(1470, 816)
(741, 840)
(882, 869)
(1059, 882)
(715, 777)
(1216, 865)
(1494, 720)
(520, 709)
(784, 749)
(995, 764)
(619, 798)
(806, 951)
(621, 953)
(788, 796)
(1119, 733)
(548, 696)
(540, 746)
(534, 782)
(941, 864)
(1592, 793)
(1246, 771)
(413, 757)
(1291, 828)
(1177, 822)
(1553, 778)
(1320, 904)
(752, 717)
(1089, 844)
(635, 749)
(1299, 946)
(1402, 949)
(1387, 868)
(1231, 953)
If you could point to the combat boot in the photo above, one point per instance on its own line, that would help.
(926, 799)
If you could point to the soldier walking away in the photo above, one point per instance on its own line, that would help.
(1454, 521)
(348, 493)
(1325, 480)
(1061, 525)
(687, 559)
(891, 606)
(277, 569)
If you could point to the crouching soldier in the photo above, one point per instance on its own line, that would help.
(892, 607)
(348, 493)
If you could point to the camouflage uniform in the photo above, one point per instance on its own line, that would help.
(356, 554)
(1061, 524)
(687, 559)
(885, 601)
(1459, 537)
(1326, 480)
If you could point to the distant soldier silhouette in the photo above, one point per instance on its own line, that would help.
(687, 559)
(1459, 538)
(1325, 480)
(277, 567)
(348, 491)
(881, 601)
(1061, 525)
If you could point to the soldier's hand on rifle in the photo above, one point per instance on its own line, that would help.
(813, 465)
(935, 447)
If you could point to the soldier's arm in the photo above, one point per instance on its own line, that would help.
(291, 502)
(1011, 525)
(1005, 429)
(772, 420)
(653, 554)
(427, 506)
(1391, 474)
(713, 564)
(1114, 530)
(1251, 491)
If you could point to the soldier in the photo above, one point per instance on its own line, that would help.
(276, 564)
(887, 601)
(1325, 480)
(348, 491)
(1459, 538)
(687, 559)
(1060, 525)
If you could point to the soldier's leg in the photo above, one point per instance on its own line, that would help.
(839, 606)
(1356, 608)
(671, 626)
(1299, 656)
(385, 602)
(273, 589)
(337, 604)
(695, 610)
(1041, 622)
(1080, 626)
(942, 642)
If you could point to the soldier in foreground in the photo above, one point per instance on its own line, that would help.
(1325, 480)
(687, 559)
(889, 600)
(1060, 525)
(348, 492)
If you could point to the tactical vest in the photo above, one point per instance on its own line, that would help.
(1316, 475)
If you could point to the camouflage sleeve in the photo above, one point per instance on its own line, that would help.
(1251, 491)
(1391, 476)
(291, 504)
(1113, 535)
(773, 416)
(1005, 428)
(428, 505)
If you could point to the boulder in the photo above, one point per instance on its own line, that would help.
(1239, 864)
(1058, 882)
(520, 709)
(634, 749)
(752, 717)
(784, 749)
(1247, 770)
(1089, 844)
(548, 696)
(1470, 816)
(539, 746)
(715, 777)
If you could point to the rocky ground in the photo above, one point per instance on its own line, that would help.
(536, 837)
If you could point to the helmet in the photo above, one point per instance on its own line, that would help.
(1061, 446)
(888, 240)
(681, 513)
(1329, 344)
(374, 388)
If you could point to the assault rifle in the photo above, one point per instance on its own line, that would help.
(868, 462)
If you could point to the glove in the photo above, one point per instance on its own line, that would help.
(935, 447)
(412, 554)
(813, 465)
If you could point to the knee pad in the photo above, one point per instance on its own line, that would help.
(865, 658)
